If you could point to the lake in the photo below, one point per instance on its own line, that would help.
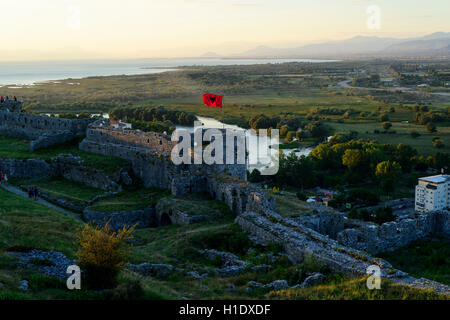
(28, 73)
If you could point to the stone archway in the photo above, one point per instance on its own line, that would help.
(165, 220)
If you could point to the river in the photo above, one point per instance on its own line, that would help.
(208, 123)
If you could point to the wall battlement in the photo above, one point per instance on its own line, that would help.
(11, 105)
(43, 131)
(159, 142)
(149, 154)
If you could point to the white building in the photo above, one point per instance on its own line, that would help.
(433, 193)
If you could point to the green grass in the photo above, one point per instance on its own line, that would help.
(132, 199)
(199, 204)
(423, 144)
(288, 205)
(61, 188)
(357, 290)
(27, 223)
(428, 259)
(18, 149)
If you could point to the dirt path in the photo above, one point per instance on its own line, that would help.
(23, 194)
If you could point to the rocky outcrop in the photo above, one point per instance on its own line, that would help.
(51, 263)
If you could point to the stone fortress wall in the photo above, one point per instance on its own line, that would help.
(43, 131)
(149, 154)
(374, 238)
(328, 238)
(150, 140)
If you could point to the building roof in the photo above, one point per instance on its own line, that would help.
(441, 178)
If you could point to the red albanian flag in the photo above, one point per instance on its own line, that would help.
(212, 100)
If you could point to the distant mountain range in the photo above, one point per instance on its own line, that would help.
(436, 44)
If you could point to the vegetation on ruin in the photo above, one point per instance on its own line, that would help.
(428, 259)
(61, 188)
(18, 149)
(102, 253)
(357, 290)
(132, 198)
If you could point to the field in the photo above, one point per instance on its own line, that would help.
(290, 89)
(424, 142)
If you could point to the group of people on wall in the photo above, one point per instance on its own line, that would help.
(3, 178)
(4, 99)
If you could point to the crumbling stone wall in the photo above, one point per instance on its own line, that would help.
(26, 168)
(11, 106)
(374, 238)
(67, 166)
(45, 131)
(302, 244)
(151, 140)
(117, 220)
(149, 155)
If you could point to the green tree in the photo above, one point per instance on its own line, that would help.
(386, 125)
(384, 117)
(404, 155)
(431, 127)
(352, 158)
(388, 172)
(438, 144)
(414, 134)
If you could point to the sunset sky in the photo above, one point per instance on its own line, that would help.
(50, 29)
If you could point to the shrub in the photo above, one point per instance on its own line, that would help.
(414, 134)
(130, 290)
(384, 117)
(379, 215)
(438, 144)
(102, 253)
(301, 196)
(386, 125)
(431, 127)
(255, 176)
(41, 282)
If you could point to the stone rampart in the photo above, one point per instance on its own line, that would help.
(45, 131)
(149, 154)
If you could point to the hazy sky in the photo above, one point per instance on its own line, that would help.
(71, 29)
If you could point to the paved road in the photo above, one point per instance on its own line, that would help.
(23, 194)
(346, 85)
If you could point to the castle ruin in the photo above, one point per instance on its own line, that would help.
(43, 131)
